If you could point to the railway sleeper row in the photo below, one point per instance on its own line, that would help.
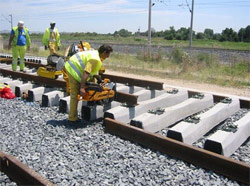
(166, 108)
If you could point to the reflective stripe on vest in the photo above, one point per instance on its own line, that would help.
(80, 61)
(75, 68)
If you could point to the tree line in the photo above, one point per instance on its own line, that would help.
(228, 34)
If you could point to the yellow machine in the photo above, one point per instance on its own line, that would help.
(48, 72)
(100, 92)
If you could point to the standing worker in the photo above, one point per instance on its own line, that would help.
(19, 41)
(80, 68)
(51, 38)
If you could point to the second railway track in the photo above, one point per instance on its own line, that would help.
(141, 100)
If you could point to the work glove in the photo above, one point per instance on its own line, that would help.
(45, 47)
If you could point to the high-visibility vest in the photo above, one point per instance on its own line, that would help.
(14, 41)
(76, 64)
(46, 37)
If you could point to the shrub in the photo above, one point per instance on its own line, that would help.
(176, 55)
(204, 58)
(137, 39)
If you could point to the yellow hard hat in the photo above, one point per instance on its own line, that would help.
(86, 45)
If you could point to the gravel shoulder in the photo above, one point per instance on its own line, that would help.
(244, 92)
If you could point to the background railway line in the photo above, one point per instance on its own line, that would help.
(126, 131)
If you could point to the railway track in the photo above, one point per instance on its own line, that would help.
(176, 105)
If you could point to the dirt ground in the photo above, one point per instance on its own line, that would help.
(244, 92)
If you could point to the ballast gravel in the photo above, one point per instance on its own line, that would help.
(41, 138)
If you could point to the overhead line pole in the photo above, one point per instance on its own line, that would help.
(11, 23)
(191, 25)
(149, 27)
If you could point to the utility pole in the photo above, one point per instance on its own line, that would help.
(149, 27)
(11, 21)
(191, 25)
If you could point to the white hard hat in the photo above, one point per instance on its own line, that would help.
(52, 22)
(20, 23)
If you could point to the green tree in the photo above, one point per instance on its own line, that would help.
(123, 33)
(170, 34)
(209, 33)
(200, 35)
(247, 34)
(241, 34)
(182, 34)
(217, 37)
(229, 35)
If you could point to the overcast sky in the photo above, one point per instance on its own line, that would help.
(108, 16)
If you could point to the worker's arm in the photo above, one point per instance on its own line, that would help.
(58, 42)
(83, 83)
(28, 42)
(45, 39)
(10, 40)
(90, 66)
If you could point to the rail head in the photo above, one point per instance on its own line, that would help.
(134, 82)
(21, 173)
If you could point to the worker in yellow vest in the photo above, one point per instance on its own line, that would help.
(51, 38)
(80, 67)
(19, 41)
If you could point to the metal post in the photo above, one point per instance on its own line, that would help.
(149, 28)
(191, 25)
(11, 21)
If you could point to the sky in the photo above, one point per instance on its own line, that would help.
(112, 15)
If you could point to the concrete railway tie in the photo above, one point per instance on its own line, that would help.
(125, 114)
(189, 132)
(227, 142)
(154, 122)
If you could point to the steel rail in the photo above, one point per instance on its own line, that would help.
(129, 99)
(19, 172)
(134, 82)
(222, 165)
(244, 102)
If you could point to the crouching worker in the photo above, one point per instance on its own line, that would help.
(80, 67)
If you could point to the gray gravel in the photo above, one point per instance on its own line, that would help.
(67, 155)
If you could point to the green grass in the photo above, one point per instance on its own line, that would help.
(159, 41)
(196, 69)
